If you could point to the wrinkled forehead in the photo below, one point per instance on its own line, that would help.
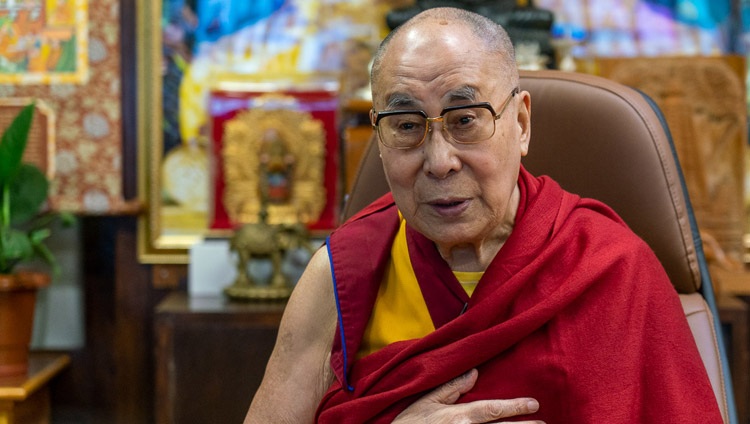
(439, 81)
(443, 59)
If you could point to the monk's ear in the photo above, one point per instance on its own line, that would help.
(523, 120)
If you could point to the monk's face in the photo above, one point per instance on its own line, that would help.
(454, 194)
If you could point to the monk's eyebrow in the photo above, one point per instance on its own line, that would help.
(400, 101)
(465, 93)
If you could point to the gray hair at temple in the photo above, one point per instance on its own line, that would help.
(495, 38)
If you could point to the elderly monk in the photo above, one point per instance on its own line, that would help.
(475, 292)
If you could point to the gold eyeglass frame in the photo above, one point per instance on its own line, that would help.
(375, 118)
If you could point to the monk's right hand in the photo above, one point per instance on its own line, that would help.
(439, 406)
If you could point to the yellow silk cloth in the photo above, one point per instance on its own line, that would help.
(400, 312)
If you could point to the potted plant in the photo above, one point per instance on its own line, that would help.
(23, 229)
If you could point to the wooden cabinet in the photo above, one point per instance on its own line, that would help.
(210, 357)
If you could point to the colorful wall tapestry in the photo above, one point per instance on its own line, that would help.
(43, 41)
(208, 44)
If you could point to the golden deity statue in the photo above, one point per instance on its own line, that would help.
(284, 147)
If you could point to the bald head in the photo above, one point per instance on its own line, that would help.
(487, 35)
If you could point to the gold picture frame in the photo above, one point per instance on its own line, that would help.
(154, 246)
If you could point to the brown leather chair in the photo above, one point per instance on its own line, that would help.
(604, 140)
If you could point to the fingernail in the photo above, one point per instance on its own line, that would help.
(533, 405)
(468, 374)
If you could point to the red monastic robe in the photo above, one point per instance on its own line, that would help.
(575, 310)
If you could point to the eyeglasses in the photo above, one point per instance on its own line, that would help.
(465, 124)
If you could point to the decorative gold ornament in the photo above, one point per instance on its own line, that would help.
(279, 148)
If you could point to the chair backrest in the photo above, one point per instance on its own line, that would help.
(603, 140)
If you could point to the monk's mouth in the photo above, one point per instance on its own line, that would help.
(450, 207)
(448, 204)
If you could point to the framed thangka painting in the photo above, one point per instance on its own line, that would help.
(190, 51)
(275, 151)
(43, 41)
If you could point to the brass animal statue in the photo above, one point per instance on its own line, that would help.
(265, 241)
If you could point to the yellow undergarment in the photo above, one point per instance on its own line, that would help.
(400, 312)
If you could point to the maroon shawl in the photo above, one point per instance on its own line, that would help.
(575, 310)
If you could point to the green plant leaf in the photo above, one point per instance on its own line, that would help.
(13, 143)
(16, 246)
(38, 236)
(67, 219)
(43, 252)
(28, 191)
